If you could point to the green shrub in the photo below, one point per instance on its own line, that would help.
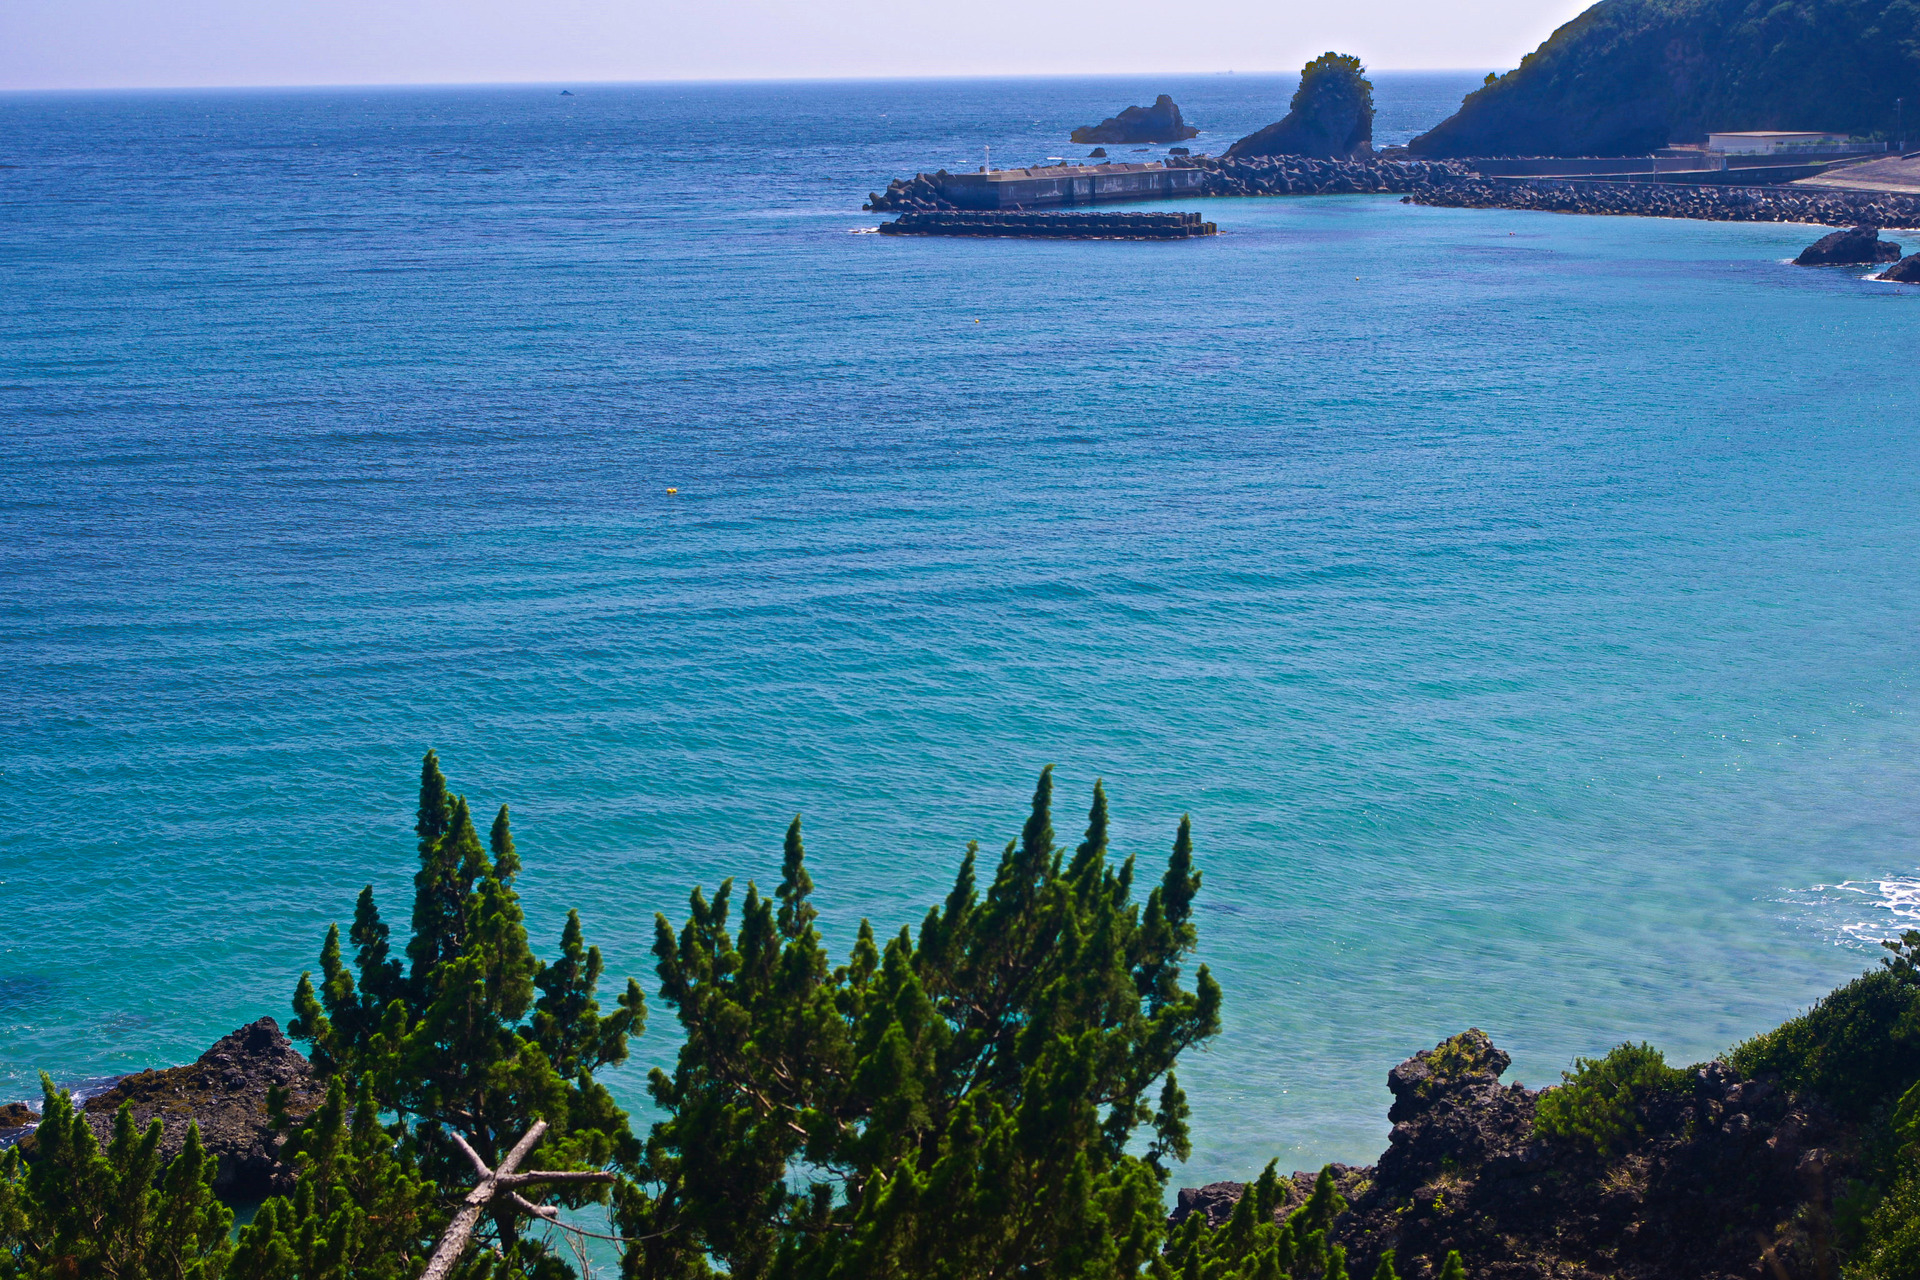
(1890, 1245)
(1858, 1048)
(1604, 1103)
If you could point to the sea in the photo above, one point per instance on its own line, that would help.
(1525, 607)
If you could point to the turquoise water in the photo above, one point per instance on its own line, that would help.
(1523, 605)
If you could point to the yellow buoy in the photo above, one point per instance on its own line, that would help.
(673, 491)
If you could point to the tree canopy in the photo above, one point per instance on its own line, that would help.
(962, 1102)
(990, 1094)
(1629, 76)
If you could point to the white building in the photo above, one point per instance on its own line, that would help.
(1773, 143)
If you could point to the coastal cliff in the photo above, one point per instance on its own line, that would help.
(1629, 76)
(1797, 1157)
(1733, 1177)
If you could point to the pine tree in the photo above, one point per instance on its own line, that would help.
(74, 1211)
(359, 1211)
(1255, 1244)
(473, 1038)
(1453, 1268)
(953, 1105)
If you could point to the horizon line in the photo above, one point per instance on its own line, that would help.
(295, 86)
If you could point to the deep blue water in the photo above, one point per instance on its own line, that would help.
(1524, 606)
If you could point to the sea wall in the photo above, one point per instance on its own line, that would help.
(1305, 176)
(1456, 184)
(1718, 203)
(1045, 187)
(1201, 176)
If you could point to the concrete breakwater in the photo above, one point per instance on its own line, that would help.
(1069, 185)
(1062, 226)
(1304, 176)
(1823, 206)
(1041, 187)
(1447, 183)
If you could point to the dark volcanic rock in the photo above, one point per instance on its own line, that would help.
(1849, 248)
(1331, 115)
(16, 1121)
(1905, 271)
(1160, 122)
(225, 1092)
(1215, 1201)
(1725, 1177)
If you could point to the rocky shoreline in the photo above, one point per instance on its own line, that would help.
(1736, 1180)
(224, 1091)
(1725, 1178)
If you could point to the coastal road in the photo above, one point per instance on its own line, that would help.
(1893, 173)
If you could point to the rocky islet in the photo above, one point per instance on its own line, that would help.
(1160, 122)
(1852, 247)
(1330, 116)
(1905, 271)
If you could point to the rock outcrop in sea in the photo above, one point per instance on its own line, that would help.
(1160, 122)
(225, 1092)
(1725, 1179)
(1905, 271)
(1330, 117)
(1854, 247)
(16, 1120)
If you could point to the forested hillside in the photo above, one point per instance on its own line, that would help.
(1628, 76)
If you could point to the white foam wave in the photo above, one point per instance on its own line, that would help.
(1862, 913)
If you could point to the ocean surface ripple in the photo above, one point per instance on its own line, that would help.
(1523, 605)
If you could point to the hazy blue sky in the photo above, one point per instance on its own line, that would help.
(107, 43)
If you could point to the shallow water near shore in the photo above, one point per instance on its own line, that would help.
(1523, 605)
